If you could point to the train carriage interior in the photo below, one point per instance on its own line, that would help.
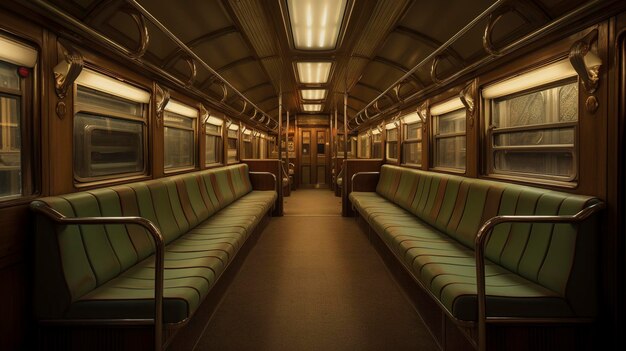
(312, 175)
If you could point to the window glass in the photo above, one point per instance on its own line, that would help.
(412, 144)
(109, 135)
(392, 143)
(364, 145)
(10, 144)
(213, 143)
(534, 132)
(377, 149)
(449, 146)
(179, 140)
(233, 140)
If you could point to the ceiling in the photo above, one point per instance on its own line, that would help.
(248, 42)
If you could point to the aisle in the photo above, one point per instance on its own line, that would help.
(314, 283)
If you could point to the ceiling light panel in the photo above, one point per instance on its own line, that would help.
(315, 24)
(312, 107)
(313, 72)
(313, 94)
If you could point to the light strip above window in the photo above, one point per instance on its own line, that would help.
(313, 94)
(181, 109)
(446, 106)
(17, 53)
(411, 118)
(391, 125)
(541, 76)
(313, 72)
(312, 107)
(315, 24)
(112, 86)
(214, 121)
(234, 126)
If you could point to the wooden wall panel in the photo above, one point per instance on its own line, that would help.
(353, 166)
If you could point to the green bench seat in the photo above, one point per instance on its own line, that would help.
(102, 272)
(430, 221)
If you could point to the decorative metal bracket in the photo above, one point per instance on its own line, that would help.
(254, 115)
(204, 116)
(433, 70)
(588, 75)
(162, 98)
(193, 70)
(245, 105)
(144, 35)
(224, 92)
(375, 106)
(66, 72)
(494, 17)
(466, 95)
(422, 112)
(396, 92)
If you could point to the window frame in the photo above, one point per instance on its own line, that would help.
(435, 136)
(29, 133)
(409, 141)
(102, 112)
(219, 143)
(395, 142)
(237, 146)
(491, 132)
(194, 130)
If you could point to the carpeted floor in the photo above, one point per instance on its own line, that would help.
(314, 283)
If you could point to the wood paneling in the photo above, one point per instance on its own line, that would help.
(274, 167)
(353, 166)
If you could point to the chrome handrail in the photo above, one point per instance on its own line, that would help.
(479, 251)
(55, 14)
(42, 208)
(516, 44)
(354, 176)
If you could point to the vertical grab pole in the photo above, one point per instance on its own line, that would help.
(345, 125)
(280, 126)
(287, 141)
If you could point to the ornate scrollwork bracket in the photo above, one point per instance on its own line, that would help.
(204, 116)
(66, 72)
(396, 92)
(243, 109)
(589, 74)
(144, 35)
(493, 19)
(224, 92)
(422, 112)
(466, 95)
(162, 98)
(433, 70)
(193, 71)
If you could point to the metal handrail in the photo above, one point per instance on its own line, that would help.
(526, 39)
(354, 176)
(56, 216)
(59, 16)
(268, 173)
(480, 241)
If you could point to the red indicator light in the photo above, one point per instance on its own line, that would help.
(23, 72)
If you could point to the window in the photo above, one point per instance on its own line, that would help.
(15, 88)
(213, 140)
(110, 124)
(412, 141)
(449, 140)
(263, 146)
(364, 145)
(392, 141)
(534, 132)
(179, 135)
(377, 144)
(248, 151)
(233, 140)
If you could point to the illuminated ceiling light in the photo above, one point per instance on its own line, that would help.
(313, 94)
(540, 76)
(446, 106)
(112, 86)
(181, 109)
(313, 72)
(315, 24)
(312, 107)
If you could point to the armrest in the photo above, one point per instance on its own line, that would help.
(258, 177)
(366, 175)
(157, 237)
(479, 251)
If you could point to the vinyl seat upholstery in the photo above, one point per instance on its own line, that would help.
(107, 271)
(430, 220)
